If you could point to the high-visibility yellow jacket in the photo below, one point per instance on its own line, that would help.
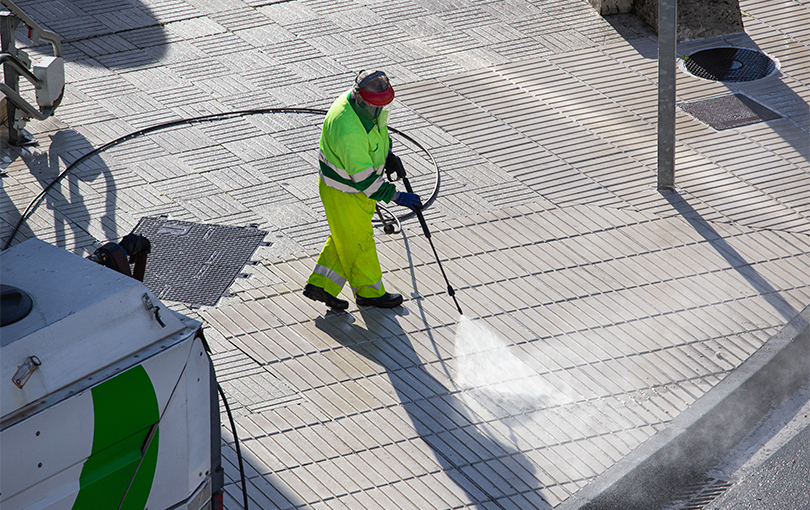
(353, 151)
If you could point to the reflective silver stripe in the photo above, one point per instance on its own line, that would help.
(376, 286)
(375, 185)
(337, 184)
(359, 176)
(341, 172)
(330, 274)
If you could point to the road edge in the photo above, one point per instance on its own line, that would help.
(705, 432)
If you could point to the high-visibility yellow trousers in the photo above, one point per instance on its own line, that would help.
(350, 253)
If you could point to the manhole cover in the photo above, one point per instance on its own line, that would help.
(729, 64)
(731, 111)
(192, 262)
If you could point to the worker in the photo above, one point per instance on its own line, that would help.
(355, 154)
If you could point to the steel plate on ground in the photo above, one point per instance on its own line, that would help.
(731, 111)
(195, 263)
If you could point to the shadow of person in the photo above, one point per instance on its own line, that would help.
(490, 473)
(74, 201)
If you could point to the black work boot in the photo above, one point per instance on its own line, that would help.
(385, 301)
(318, 294)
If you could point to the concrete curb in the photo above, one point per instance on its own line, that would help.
(700, 436)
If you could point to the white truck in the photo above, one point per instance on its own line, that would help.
(108, 398)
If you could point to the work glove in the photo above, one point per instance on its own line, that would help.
(393, 165)
(411, 200)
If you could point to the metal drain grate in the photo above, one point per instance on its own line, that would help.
(731, 111)
(699, 494)
(729, 64)
(195, 263)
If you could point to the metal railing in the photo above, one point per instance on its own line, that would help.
(47, 76)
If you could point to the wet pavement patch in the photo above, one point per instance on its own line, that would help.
(730, 111)
(729, 64)
(250, 387)
(195, 263)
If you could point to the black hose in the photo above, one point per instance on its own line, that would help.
(235, 442)
(35, 202)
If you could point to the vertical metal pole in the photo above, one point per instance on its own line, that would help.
(667, 38)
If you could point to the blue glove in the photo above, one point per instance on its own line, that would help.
(411, 200)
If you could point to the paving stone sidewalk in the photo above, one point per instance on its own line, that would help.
(596, 309)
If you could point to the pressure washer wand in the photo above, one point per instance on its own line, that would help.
(418, 212)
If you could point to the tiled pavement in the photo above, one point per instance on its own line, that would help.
(608, 307)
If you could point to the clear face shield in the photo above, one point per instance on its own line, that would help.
(367, 111)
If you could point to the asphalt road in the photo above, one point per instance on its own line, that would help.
(781, 482)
